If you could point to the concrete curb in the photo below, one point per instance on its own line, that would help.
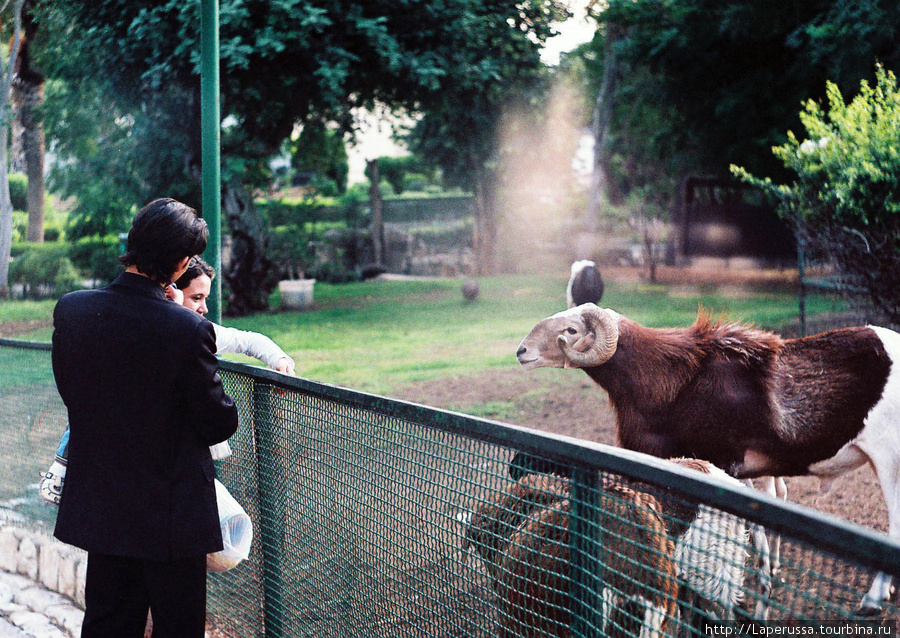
(27, 610)
(58, 567)
(41, 585)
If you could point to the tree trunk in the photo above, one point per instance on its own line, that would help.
(6, 211)
(603, 112)
(28, 99)
(377, 206)
(250, 274)
(5, 113)
(33, 148)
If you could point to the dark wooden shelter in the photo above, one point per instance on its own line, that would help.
(722, 218)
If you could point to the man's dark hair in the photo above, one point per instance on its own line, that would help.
(195, 268)
(163, 233)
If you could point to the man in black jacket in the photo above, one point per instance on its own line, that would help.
(137, 374)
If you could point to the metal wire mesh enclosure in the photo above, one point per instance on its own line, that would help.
(375, 517)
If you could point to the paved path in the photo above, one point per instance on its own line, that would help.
(28, 610)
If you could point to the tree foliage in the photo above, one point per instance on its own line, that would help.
(285, 62)
(845, 198)
(321, 151)
(706, 83)
(459, 130)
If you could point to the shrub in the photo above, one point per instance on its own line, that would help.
(44, 269)
(845, 201)
(290, 251)
(97, 257)
(18, 191)
(285, 212)
(333, 272)
(20, 225)
(416, 183)
(66, 278)
(52, 232)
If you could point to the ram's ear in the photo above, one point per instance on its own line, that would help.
(582, 344)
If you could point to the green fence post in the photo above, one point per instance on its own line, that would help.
(210, 147)
(271, 510)
(584, 545)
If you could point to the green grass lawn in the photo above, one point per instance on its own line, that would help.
(375, 336)
(378, 335)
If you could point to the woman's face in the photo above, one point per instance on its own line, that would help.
(196, 294)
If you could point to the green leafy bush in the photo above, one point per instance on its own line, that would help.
(297, 212)
(845, 201)
(20, 225)
(18, 191)
(97, 257)
(44, 269)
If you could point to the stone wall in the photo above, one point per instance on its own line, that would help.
(58, 567)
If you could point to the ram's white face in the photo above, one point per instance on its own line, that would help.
(541, 349)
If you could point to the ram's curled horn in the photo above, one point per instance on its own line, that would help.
(605, 327)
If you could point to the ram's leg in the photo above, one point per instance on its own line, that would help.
(654, 617)
(764, 556)
(609, 600)
(775, 487)
(887, 467)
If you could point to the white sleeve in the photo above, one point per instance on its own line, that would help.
(251, 344)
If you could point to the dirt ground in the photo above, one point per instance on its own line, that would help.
(583, 411)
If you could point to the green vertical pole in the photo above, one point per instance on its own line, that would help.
(209, 122)
(586, 568)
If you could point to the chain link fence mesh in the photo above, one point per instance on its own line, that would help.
(375, 517)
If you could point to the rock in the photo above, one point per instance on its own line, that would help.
(27, 560)
(470, 290)
(9, 549)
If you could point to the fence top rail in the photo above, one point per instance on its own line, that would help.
(25, 345)
(865, 546)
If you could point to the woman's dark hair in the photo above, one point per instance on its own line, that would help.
(195, 268)
(163, 233)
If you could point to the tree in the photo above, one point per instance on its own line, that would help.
(28, 100)
(321, 150)
(290, 62)
(7, 70)
(845, 197)
(460, 125)
(703, 84)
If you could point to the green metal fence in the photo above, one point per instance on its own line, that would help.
(375, 517)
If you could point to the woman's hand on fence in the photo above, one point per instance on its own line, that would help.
(285, 366)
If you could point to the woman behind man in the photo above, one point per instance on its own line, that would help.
(191, 290)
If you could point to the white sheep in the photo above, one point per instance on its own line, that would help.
(585, 284)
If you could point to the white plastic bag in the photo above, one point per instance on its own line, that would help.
(237, 533)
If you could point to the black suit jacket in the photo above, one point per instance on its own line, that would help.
(137, 373)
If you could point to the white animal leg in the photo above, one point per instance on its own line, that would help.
(775, 487)
(609, 601)
(654, 617)
(887, 467)
(761, 543)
